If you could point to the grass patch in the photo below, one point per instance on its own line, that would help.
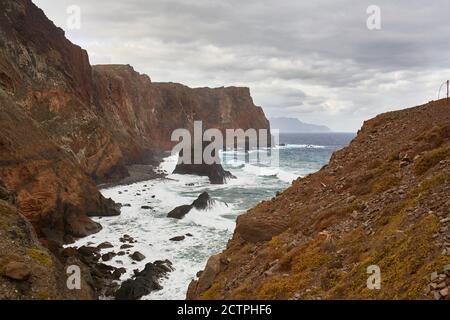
(385, 183)
(430, 183)
(41, 257)
(430, 159)
(211, 293)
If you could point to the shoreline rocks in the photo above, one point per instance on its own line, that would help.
(145, 281)
(137, 256)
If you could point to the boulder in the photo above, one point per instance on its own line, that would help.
(137, 256)
(180, 212)
(118, 273)
(144, 282)
(179, 238)
(203, 202)
(108, 256)
(126, 246)
(105, 245)
(16, 271)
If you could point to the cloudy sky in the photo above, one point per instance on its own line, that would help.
(313, 60)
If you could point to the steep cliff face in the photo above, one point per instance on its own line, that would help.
(145, 114)
(382, 201)
(50, 136)
(53, 191)
(65, 125)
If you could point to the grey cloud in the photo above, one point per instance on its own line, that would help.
(311, 59)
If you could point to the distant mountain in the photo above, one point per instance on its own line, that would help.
(293, 125)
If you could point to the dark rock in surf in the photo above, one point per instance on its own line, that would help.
(180, 212)
(137, 256)
(178, 239)
(108, 256)
(105, 245)
(215, 171)
(145, 281)
(117, 274)
(203, 202)
(126, 246)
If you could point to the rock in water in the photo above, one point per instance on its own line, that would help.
(177, 239)
(105, 245)
(179, 212)
(144, 281)
(215, 171)
(203, 202)
(137, 256)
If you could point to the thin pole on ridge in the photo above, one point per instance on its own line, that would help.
(448, 84)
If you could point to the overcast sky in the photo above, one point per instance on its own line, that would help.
(313, 60)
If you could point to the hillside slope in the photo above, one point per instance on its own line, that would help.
(383, 200)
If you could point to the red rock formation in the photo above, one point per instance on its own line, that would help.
(145, 114)
(64, 124)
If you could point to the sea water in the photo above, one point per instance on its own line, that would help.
(299, 155)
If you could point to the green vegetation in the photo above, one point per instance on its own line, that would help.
(41, 257)
(430, 159)
(430, 183)
(212, 292)
(385, 183)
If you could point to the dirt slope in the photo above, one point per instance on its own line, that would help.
(383, 201)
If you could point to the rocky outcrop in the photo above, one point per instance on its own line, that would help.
(145, 281)
(28, 271)
(65, 125)
(382, 201)
(203, 202)
(98, 277)
(215, 172)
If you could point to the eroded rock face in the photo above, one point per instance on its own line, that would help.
(65, 126)
(28, 271)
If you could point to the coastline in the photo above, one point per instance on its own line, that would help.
(188, 243)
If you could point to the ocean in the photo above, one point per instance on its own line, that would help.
(298, 154)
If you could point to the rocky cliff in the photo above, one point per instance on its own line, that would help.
(65, 125)
(145, 113)
(27, 269)
(382, 201)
